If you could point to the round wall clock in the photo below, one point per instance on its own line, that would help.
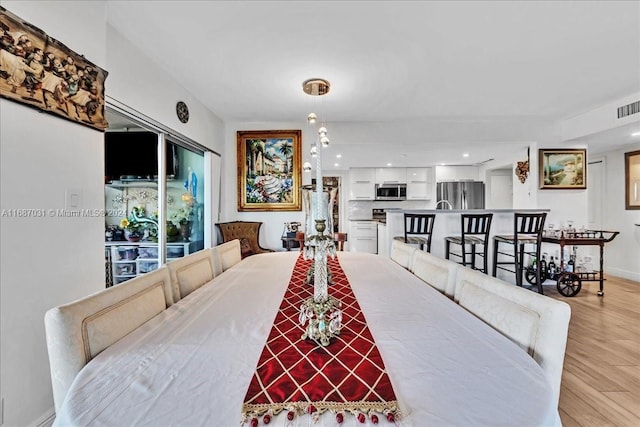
(183, 112)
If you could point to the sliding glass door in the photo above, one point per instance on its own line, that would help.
(155, 189)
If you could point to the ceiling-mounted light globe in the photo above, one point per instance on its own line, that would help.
(311, 118)
(324, 141)
(314, 150)
(322, 131)
(306, 166)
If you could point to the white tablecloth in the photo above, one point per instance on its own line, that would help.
(192, 364)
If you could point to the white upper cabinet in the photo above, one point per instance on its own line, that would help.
(455, 173)
(419, 183)
(362, 183)
(391, 176)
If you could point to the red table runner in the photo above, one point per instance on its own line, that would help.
(300, 376)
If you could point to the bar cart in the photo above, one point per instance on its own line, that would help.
(569, 283)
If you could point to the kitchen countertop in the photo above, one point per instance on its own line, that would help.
(466, 210)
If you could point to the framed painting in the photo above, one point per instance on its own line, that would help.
(269, 170)
(563, 169)
(43, 73)
(632, 180)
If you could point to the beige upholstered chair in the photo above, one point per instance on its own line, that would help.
(225, 256)
(191, 272)
(78, 331)
(247, 232)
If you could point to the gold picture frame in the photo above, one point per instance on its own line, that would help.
(563, 169)
(632, 180)
(269, 170)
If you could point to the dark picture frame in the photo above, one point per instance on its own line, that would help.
(632, 180)
(563, 169)
(43, 73)
(269, 170)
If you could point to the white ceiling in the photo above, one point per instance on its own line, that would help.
(457, 76)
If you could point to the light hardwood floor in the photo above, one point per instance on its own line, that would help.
(601, 377)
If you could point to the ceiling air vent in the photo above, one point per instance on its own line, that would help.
(629, 109)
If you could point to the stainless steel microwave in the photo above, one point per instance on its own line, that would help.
(391, 191)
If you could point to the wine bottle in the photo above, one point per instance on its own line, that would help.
(571, 264)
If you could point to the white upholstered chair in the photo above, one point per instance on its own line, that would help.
(402, 254)
(437, 272)
(538, 324)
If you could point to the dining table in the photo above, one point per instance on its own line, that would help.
(192, 364)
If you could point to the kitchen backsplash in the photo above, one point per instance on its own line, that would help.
(363, 209)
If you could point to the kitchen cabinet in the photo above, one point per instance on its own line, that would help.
(419, 183)
(382, 239)
(362, 183)
(391, 176)
(455, 173)
(363, 236)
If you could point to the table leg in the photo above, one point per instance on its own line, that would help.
(601, 291)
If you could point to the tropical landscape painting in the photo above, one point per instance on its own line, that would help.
(563, 169)
(269, 174)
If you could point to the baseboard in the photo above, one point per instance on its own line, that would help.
(624, 274)
(46, 419)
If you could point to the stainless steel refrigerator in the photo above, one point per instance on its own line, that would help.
(460, 195)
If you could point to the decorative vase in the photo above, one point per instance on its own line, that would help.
(133, 235)
(172, 232)
(185, 230)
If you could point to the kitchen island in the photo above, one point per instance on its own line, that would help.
(447, 223)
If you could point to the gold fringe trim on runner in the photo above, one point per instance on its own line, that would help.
(250, 411)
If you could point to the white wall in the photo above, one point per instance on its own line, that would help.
(49, 261)
(622, 256)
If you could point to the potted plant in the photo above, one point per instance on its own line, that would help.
(182, 218)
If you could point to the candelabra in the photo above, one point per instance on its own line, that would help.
(321, 313)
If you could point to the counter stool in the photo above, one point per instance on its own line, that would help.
(340, 238)
(474, 231)
(527, 230)
(418, 229)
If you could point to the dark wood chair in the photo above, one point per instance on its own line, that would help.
(474, 232)
(418, 229)
(525, 240)
(340, 238)
(248, 232)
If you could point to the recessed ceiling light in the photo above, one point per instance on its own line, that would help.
(338, 156)
(388, 164)
(465, 154)
(443, 164)
(635, 134)
(336, 165)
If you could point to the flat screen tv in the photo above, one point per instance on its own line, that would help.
(133, 156)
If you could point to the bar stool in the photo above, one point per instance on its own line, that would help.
(340, 238)
(418, 229)
(527, 230)
(474, 231)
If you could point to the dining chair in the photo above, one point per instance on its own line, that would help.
(340, 238)
(418, 229)
(527, 232)
(475, 230)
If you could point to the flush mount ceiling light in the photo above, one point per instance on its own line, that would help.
(316, 87)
